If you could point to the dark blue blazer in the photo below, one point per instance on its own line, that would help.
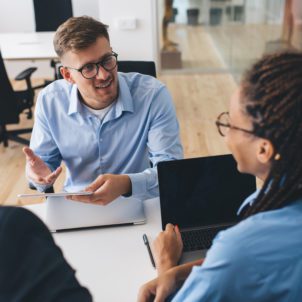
(32, 266)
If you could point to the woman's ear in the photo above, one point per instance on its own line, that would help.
(265, 151)
(65, 72)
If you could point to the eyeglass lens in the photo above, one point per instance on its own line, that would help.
(90, 70)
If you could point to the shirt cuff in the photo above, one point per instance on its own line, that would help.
(139, 183)
(40, 188)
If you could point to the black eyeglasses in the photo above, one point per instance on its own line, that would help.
(223, 124)
(90, 70)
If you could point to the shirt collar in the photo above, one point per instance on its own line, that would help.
(251, 199)
(75, 103)
(248, 201)
(124, 100)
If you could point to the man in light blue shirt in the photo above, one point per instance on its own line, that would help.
(106, 126)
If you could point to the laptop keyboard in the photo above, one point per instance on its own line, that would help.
(199, 239)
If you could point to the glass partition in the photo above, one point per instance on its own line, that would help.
(222, 35)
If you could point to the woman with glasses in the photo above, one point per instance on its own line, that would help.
(259, 259)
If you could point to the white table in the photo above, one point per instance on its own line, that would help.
(111, 262)
(27, 46)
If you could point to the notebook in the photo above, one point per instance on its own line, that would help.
(202, 196)
(63, 214)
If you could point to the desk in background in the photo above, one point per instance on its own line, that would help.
(27, 46)
(112, 262)
(23, 50)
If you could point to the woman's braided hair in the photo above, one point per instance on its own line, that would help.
(272, 97)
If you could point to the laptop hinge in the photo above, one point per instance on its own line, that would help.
(209, 227)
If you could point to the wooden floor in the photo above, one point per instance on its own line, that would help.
(198, 101)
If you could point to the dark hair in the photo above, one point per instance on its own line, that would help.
(272, 97)
(78, 33)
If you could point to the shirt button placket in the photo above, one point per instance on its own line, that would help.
(99, 140)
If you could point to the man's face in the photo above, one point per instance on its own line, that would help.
(100, 91)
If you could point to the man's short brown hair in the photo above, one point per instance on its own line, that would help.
(78, 33)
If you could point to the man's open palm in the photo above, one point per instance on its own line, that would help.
(38, 171)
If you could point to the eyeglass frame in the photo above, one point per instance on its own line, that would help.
(229, 125)
(97, 65)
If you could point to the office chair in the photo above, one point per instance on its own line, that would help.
(12, 103)
(144, 67)
(49, 15)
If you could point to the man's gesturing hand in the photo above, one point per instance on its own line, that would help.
(37, 171)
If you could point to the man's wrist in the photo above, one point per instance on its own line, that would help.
(128, 186)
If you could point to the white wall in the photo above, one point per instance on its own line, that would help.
(86, 7)
(135, 44)
(140, 43)
(18, 15)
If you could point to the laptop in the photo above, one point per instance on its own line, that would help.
(202, 196)
(63, 214)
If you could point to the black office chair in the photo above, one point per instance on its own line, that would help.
(49, 15)
(144, 67)
(12, 103)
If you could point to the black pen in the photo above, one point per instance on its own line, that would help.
(146, 241)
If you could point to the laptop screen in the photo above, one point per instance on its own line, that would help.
(202, 191)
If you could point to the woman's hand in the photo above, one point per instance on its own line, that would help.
(158, 289)
(167, 248)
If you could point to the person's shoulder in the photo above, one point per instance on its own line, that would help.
(136, 80)
(230, 242)
(234, 244)
(56, 88)
(243, 234)
(7, 212)
(55, 97)
(19, 219)
(279, 229)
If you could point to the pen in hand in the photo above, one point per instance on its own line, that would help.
(146, 242)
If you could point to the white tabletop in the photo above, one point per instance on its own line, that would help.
(112, 262)
(27, 46)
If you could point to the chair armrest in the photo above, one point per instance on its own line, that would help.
(25, 73)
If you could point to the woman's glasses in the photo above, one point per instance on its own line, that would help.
(223, 124)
